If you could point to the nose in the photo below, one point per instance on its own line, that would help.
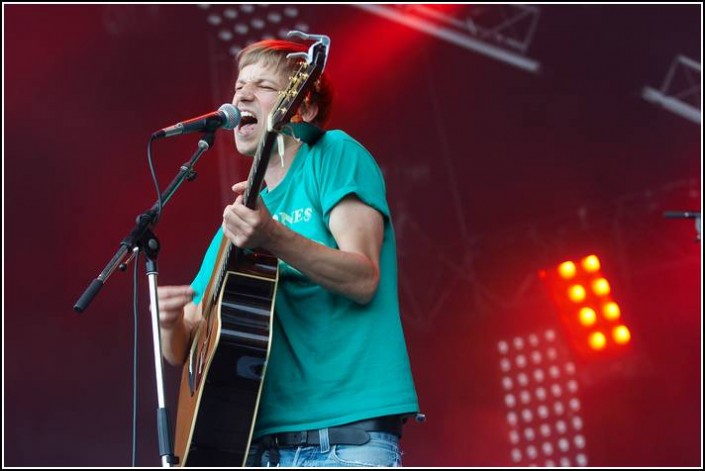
(245, 93)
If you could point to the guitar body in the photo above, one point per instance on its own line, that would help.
(222, 378)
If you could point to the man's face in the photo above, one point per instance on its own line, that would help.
(256, 91)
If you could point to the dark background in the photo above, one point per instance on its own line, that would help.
(493, 173)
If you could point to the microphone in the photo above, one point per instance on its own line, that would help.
(226, 117)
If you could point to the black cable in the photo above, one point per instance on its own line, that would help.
(154, 179)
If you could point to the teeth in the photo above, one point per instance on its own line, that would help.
(246, 118)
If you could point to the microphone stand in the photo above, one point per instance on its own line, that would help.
(143, 239)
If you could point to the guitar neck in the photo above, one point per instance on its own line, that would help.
(255, 180)
(258, 170)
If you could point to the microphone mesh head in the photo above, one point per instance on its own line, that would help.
(232, 115)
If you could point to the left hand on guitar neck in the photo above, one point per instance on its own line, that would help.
(245, 227)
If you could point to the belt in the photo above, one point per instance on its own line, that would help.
(354, 433)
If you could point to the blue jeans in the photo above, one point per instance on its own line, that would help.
(381, 450)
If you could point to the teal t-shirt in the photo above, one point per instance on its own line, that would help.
(332, 361)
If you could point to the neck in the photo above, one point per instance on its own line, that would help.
(275, 170)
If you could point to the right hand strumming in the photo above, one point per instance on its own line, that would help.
(172, 300)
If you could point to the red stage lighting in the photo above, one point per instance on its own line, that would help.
(587, 310)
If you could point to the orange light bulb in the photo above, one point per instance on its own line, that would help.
(601, 287)
(597, 341)
(621, 334)
(590, 263)
(587, 316)
(566, 270)
(576, 293)
(611, 311)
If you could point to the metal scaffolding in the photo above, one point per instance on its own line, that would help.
(680, 92)
(502, 32)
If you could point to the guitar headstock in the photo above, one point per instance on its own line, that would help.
(310, 68)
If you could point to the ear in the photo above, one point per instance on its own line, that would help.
(308, 111)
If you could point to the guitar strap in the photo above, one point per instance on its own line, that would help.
(304, 132)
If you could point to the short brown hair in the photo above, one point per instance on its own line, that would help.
(273, 52)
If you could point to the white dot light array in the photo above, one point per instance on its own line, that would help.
(540, 392)
(238, 26)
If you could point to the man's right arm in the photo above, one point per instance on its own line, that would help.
(178, 319)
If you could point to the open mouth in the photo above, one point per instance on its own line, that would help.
(248, 122)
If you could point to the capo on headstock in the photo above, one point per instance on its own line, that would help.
(320, 39)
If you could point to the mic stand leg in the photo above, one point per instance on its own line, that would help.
(149, 244)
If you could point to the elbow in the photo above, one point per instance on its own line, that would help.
(367, 289)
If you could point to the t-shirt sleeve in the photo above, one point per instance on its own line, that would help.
(200, 283)
(347, 168)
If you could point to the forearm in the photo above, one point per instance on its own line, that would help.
(348, 273)
(174, 344)
(176, 338)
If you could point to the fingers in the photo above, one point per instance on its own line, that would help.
(239, 188)
(172, 300)
(174, 297)
(246, 227)
(169, 291)
(237, 214)
(230, 221)
(173, 304)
